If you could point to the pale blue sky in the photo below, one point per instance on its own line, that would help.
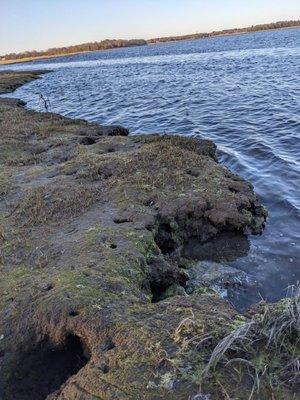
(40, 24)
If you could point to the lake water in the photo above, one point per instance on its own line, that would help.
(243, 92)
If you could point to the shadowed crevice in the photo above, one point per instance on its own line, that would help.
(42, 370)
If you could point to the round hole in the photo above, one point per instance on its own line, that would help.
(121, 220)
(48, 287)
(73, 313)
(104, 368)
(87, 141)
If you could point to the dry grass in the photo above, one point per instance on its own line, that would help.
(158, 165)
(5, 181)
(18, 124)
(42, 205)
(266, 348)
(9, 82)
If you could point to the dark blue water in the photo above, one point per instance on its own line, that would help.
(241, 91)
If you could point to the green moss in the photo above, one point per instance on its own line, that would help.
(203, 290)
(92, 233)
(128, 261)
(80, 289)
(239, 321)
(13, 284)
(11, 154)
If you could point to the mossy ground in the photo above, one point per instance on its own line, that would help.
(87, 222)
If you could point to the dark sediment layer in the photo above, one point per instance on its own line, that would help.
(93, 301)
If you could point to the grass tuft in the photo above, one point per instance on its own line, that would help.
(265, 347)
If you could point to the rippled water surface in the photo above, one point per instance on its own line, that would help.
(241, 91)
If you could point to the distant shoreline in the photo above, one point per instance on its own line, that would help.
(225, 34)
(149, 42)
(29, 59)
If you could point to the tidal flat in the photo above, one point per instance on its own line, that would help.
(98, 299)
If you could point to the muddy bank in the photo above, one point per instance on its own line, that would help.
(96, 297)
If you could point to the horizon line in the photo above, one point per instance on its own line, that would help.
(268, 26)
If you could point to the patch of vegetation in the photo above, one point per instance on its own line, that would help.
(42, 204)
(5, 181)
(145, 173)
(14, 282)
(261, 355)
(11, 154)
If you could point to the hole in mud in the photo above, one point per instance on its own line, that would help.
(157, 292)
(2, 353)
(110, 150)
(113, 246)
(73, 313)
(149, 203)
(145, 286)
(233, 190)
(44, 369)
(105, 174)
(162, 292)
(121, 220)
(164, 239)
(104, 368)
(48, 287)
(174, 286)
(109, 345)
(193, 172)
(87, 141)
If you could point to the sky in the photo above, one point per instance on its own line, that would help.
(41, 24)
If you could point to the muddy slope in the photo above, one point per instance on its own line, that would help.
(91, 223)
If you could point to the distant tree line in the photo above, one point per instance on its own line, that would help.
(113, 44)
(253, 28)
(92, 46)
